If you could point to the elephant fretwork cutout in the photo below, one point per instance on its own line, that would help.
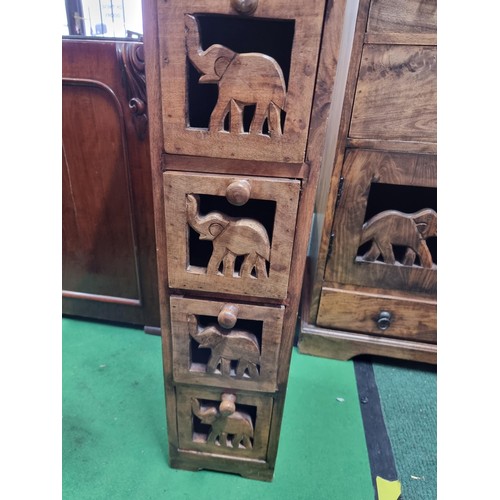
(396, 228)
(243, 80)
(231, 237)
(229, 427)
(236, 345)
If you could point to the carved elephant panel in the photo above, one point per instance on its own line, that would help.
(209, 351)
(225, 422)
(243, 246)
(272, 82)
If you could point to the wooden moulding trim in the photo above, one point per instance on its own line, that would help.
(334, 344)
(393, 146)
(225, 457)
(244, 299)
(401, 38)
(229, 166)
(101, 298)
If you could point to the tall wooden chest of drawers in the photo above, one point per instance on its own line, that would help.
(373, 274)
(239, 97)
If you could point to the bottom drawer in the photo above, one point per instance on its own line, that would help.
(378, 315)
(218, 422)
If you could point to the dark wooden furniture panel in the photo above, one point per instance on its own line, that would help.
(373, 265)
(109, 268)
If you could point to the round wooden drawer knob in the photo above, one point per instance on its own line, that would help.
(384, 320)
(238, 192)
(244, 6)
(227, 406)
(228, 316)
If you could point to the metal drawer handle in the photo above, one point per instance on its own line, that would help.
(384, 320)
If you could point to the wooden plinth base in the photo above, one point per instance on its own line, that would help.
(339, 345)
(194, 461)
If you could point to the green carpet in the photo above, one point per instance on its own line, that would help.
(114, 432)
(408, 399)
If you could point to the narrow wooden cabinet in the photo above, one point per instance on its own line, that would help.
(239, 96)
(373, 273)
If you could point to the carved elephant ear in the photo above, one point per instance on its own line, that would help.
(221, 65)
(216, 228)
(426, 222)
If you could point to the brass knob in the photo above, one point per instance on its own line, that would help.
(228, 316)
(238, 192)
(245, 7)
(384, 320)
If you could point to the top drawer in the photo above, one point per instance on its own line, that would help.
(402, 16)
(238, 84)
(396, 94)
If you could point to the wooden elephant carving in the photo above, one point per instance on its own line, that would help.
(396, 228)
(230, 238)
(225, 421)
(243, 79)
(235, 345)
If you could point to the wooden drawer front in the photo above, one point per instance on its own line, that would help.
(396, 94)
(402, 16)
(367, 313)
(246, 91)
(210, 349)
(385, 224)
(241, 250)
(203, 428)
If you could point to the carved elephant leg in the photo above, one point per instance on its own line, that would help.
(241, 439)
(244, 365)
(223, 439)
(212, 437)
(425, 255)
(258, 118)
(252, 370)
(409, 258)
(274, 120)
(236, 118)
(248, 264)
(218, 115)
(260, 267)
(372, 254)
(387, 252)
(228, 264)
(225, 367)
(237, 439)
(218, 254)
(212, 363)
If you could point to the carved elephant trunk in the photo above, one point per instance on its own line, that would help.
(208, 226)
(211, 62)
